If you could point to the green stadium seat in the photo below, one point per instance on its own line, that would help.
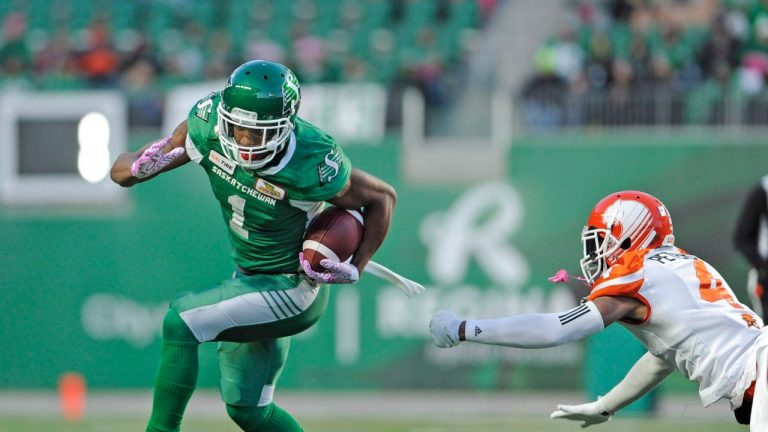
(419, 12)
(327, 18)
(238, 22)
(82, 14)
(377, 13)
(123, 15)
(155, 20)
(463, 14)
(38, 13)
(163, 21)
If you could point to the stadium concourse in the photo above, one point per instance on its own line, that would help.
(408, 405)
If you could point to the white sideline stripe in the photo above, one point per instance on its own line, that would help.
(323, 249)
(356, 214)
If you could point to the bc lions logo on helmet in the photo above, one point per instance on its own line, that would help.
(613, 215)
(630, 218)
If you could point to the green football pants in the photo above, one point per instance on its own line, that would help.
(253, 318)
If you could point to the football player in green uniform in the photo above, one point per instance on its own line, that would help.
(270, 171)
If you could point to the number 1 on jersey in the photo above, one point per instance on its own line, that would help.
(238, 215)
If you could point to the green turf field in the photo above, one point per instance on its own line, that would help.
(413, 411)
(377, 425)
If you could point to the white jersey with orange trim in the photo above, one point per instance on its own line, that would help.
(694, 321)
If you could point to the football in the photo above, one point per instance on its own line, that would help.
(335, 233)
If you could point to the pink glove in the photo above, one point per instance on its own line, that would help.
(563, 276)
(153, 159)
(338, 272)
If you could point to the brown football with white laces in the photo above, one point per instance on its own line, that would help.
(335, 233)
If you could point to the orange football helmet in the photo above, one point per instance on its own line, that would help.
(619, 223)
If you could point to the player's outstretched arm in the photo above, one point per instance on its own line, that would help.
(152, 159)
(535, 330)
(648, 372)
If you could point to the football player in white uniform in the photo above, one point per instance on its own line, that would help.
(678, 306)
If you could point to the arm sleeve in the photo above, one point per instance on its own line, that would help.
(648, 372)
(539, 330)
(745, 236)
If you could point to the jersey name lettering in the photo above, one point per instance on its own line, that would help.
(668, 257)
(243, 188)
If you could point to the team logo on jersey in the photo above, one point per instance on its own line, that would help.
(222, 162)
(204, 107)
(269, 189)
(329, 168)
(750, 320)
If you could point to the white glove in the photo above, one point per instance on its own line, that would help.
(589, 413)
(444, 328)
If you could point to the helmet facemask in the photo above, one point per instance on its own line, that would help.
(601, 249)
(271, 136)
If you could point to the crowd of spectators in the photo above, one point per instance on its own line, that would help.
(653, 61)
(144, 47)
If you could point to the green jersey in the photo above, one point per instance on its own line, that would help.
(266, 211)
